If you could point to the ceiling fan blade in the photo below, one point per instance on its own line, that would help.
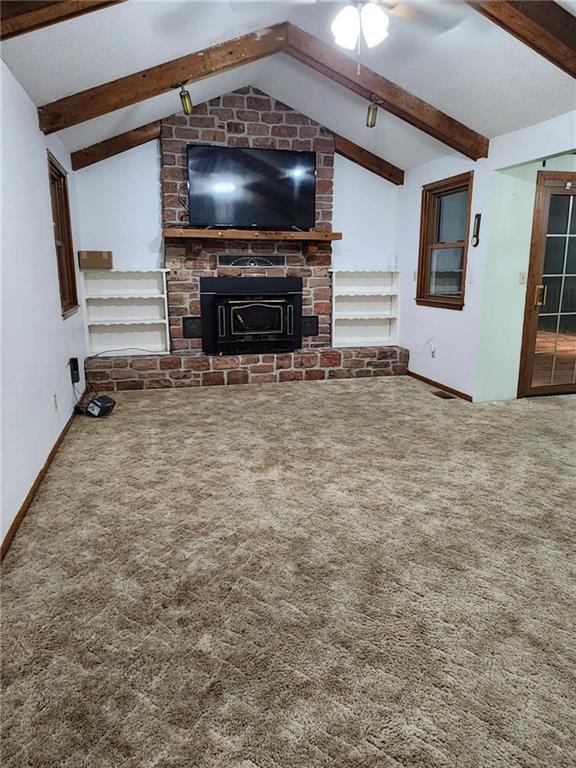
(436, 16)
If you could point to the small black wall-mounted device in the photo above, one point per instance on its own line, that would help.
(74, 370)
(476, 230)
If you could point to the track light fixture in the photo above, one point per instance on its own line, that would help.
(186, 100)
(372, 114)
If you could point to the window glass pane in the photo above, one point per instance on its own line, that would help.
(554, 257)
(446, 271)
(569, 295)
(452, 217)
(573, 219)
(558, 216)
(571, 258)
(553, 287)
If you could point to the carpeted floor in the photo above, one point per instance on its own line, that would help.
(350, 574)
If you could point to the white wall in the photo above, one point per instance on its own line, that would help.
(454, 336)
(365, 212)
(439, 340)
(119, 207)
(36, 397)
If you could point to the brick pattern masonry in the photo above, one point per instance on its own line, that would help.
(191, 370)
(245, 118)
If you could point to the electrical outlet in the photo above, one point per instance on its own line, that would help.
(415, 275)
(433, 350)
(55, 402)
(522, 278)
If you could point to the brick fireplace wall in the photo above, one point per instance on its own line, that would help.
(245, 118)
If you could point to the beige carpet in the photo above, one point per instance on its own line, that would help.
(350, 574)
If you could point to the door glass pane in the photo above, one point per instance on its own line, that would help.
(542, 371)
(546, 334)
(571, 258)
(565, 363)
(446, 271)
(555, 350)
(452, 217)
(567, 333)
(553, 288)
(573, 219)
(554, 255)
(558, 218)
(569, 295)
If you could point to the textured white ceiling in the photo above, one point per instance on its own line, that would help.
(446, 53)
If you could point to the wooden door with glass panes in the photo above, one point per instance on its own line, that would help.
(548, 364)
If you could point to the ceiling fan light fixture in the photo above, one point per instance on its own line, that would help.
(186, 99)
(374, 24)
(346, 27)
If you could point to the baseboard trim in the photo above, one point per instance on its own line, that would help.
(433, 383)
(21, 514)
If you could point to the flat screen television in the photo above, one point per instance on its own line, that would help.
(251, 188)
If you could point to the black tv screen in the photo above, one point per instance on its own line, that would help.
(245, 188)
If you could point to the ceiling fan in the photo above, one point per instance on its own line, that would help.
(369, 20)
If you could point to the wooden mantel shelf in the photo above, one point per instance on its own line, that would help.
(249, 234)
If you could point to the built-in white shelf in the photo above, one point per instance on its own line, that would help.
(363, 315)
(363, 292)
(365, 308)
(127, 295)
(132, 351)
(126, 311)
(140, 321)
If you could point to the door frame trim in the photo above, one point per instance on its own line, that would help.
(535, 269)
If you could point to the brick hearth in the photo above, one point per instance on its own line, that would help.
(194, 370)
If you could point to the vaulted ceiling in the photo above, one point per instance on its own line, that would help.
(445, 53)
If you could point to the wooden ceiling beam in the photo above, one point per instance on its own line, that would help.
(544, 26)
(343, 70)
(151, 131)
(368, 160)
(114, 146)
(132, 89)
(322, 57)
(17, 18)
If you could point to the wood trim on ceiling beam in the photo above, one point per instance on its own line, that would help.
(17, 17)
(147, 83)
(114, 146)
(151, 131)
(368, 160)
(343, 70)
(544, 26)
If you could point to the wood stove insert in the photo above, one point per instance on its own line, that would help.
(251, 314)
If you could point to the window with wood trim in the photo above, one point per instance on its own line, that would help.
(63, 237)
(444, 242)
